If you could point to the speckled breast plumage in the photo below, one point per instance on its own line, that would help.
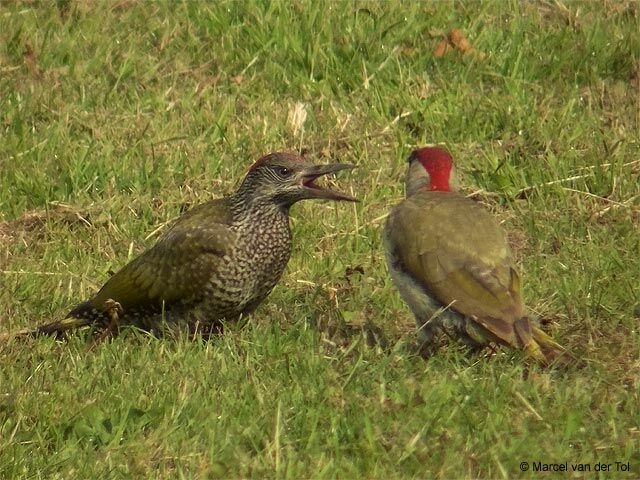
(246, 277)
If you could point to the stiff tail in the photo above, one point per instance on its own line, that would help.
(83, 315)
(537, 344)
(53, 329)
(59, 327)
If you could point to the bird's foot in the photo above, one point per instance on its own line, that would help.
(426, 349)
(114, 313)
(206, 330)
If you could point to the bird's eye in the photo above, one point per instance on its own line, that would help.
(284, 171)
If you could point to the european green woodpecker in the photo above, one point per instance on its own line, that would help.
(217, 262)
(450, 260)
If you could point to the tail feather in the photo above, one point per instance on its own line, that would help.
(59, 327)
(552, 350)
(83, 315)
(537, 344)
(55, 329)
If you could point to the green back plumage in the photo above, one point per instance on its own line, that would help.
(177, 266)
(457, 251)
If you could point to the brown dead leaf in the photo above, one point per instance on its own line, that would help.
(442, 48)
(456, 41)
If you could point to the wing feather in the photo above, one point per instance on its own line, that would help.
(176, 269)
(482, 283)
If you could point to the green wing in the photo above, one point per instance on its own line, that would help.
(458, 252)
(178, 267)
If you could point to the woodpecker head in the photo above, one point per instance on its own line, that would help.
(286, 178)
(430, 168)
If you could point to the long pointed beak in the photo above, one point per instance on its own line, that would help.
(310, 174)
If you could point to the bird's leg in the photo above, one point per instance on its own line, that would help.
(427, 330)
(212, 330)
(114, 313)
(204, 327)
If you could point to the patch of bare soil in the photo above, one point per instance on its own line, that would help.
(32, 223)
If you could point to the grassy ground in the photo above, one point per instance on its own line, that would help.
(115, 116)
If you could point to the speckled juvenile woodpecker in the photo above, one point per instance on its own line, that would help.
(450, 260)
(217, 262)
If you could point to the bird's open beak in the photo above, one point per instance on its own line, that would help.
(311, 174)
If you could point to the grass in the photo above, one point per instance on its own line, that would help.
(116, 116)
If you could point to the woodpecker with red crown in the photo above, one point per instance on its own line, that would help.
(450, 260)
